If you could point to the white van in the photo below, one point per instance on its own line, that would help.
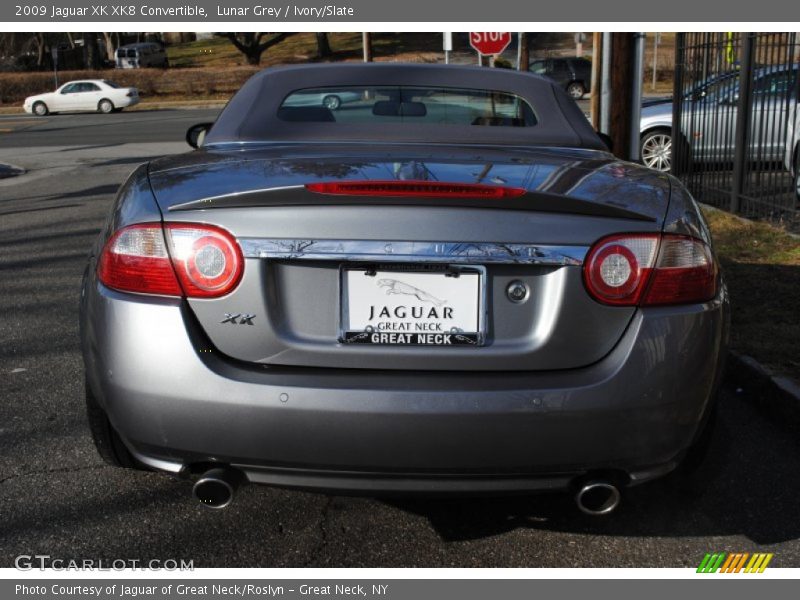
(145, 54)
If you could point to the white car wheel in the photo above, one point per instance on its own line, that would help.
(331, 102)
(575, 90)
(656, 150)
(40, 109)
(105, 106)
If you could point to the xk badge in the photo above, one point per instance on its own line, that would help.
(238, 318)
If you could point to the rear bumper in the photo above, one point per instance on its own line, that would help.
(176, 402)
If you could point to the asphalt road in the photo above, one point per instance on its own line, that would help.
(58, 498)
(141, 126)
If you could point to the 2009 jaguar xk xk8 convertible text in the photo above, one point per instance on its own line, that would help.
(445, 285)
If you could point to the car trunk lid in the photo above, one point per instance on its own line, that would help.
(309, 254)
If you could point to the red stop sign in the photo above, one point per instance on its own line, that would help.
(491, 42)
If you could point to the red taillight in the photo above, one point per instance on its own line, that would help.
(200, 261)
(427, 189)
(135, 259)
(208, 261)
(685, 273)
(650, 269)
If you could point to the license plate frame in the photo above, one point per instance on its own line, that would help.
(468, 339)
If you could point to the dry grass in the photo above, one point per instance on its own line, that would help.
(762, 269)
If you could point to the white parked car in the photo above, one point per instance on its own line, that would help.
(332, 100)
(84, 95)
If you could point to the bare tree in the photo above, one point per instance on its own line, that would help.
(40, 44)
(323, 45)
(111, 47)
(12, 46)
(92, 58)
(253, 44)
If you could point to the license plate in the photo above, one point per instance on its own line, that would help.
(411, 308)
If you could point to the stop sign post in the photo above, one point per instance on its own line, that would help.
(489, 42)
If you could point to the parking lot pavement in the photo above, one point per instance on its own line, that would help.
(58, 498)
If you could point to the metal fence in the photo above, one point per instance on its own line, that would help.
(734, 127)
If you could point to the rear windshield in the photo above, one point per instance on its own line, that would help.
(421, 105)
(110, 83)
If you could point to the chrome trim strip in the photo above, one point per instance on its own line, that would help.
(410, 252)
(208, 199)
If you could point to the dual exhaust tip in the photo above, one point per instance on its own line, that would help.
(596, 497)
(217, 487)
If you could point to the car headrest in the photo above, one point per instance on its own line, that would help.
(392, 108)
(413, 109)
(308, 114)
(386, 108)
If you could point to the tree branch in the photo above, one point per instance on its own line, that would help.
(275, 40)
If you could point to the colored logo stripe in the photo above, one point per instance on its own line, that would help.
(734, 562)
(758, 563)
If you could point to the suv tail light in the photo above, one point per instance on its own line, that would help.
(650, 269)
(198, 261)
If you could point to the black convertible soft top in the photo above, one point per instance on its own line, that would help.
(252, 114)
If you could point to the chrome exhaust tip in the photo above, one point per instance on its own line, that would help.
(598, 498)
(217, 487)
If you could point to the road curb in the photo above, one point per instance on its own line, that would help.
(777, 395)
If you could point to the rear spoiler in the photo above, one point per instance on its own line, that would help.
(315, 195)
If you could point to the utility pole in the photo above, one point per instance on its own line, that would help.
(597, 74)
(637, 85)
(54, 53)
(524, 51)
(605, 83)
(656, 40)
(366, 40)
(580, 37)
(622, 82)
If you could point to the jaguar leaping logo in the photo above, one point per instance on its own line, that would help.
(393, 286)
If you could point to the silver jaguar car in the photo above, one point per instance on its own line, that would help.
(450, 287)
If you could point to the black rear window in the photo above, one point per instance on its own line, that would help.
(399, 104)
